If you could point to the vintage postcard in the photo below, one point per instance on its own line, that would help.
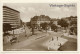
(38, 26)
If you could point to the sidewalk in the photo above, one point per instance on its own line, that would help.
(67, 41)
(55, 44)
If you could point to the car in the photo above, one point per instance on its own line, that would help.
(13, 40)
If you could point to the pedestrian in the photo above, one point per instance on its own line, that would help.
(52, 38)
(57, 38)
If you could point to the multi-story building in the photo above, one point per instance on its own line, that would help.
(54, 21)
(37, 20)
(11, 16)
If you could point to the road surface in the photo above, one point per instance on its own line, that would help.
(35, 42)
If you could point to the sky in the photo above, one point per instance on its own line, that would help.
(29, 10)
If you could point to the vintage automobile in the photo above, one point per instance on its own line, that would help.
(13, 40)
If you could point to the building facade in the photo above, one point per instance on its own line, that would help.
(11, 16)
(54, 21)
(37, 20)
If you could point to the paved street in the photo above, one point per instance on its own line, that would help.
(40, 42)
(28, 41)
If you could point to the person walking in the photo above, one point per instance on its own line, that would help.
(57, 38)
(52, 38)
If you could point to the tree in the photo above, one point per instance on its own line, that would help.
(6, 27)
(73, 29)
(51, 23)
(73, 23)
(54, 27)
(32, 26)
(44, 26)
(28, 23)
(63, 23)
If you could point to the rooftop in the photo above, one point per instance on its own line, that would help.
(10, 8)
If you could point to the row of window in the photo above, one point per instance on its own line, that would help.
(9, 10)
(9, 13)
(8, 18)
(12, 23)
(8, 21)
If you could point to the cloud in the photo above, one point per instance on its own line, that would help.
(31, 9)
(55, 9)
(22, 9)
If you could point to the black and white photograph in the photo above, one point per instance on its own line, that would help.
(40, 27)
